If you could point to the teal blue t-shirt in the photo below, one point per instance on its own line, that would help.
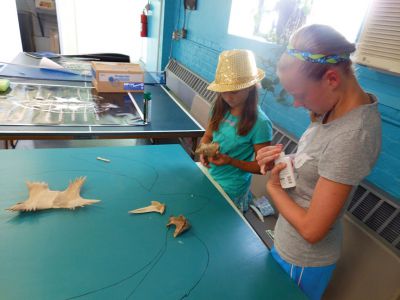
(234, 181)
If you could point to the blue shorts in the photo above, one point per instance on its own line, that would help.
(243, 201)
(312, 280)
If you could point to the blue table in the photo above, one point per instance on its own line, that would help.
(102, 252)
(25, 66)
(169, 118)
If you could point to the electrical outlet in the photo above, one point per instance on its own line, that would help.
(183, 33)
(175, 35)
(190, 4)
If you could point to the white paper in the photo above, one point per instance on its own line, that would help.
(49, 64)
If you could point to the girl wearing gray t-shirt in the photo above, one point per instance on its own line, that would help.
(335, 153)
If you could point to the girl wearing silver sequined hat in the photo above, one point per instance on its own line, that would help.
(335, 153)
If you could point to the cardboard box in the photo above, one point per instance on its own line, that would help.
(109, 77)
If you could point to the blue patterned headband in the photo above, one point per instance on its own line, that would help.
(317, 58)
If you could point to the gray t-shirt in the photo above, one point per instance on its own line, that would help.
(343, 151)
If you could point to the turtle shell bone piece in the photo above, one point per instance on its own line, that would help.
(208, 149)
(181, 224)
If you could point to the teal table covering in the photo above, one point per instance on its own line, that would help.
(102, 252)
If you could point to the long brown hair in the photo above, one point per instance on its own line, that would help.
(248, 117)
(318, 39)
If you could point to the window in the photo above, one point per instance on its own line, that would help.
(93, 26)
(379, 42)
(275, 20)
(11, 39)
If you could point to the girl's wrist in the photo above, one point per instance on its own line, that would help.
(274, 189)
(269, 166)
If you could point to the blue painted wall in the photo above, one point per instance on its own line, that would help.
(160, 27)
(208, 36)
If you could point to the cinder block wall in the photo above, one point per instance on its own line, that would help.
(208, 36)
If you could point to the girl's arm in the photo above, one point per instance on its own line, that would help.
(313, 223)
(247, 166)
(207, 137)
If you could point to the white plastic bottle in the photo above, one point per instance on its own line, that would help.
(286, 176)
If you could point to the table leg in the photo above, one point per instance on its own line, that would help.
(10, 144)
(194, 146)
(13, 143)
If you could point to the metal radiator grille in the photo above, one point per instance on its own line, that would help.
(391, 232)
(382, 213)
(198, 84)
(365, 206)
(358, 194)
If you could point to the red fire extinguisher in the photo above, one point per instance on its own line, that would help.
(143, 20)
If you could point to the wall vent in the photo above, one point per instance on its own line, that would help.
(365, 206)
(380, 39)
(358, 194)
(198, 84)
(191, 91)
(391, 232)
(380, 216)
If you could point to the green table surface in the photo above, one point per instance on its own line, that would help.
(102, 252)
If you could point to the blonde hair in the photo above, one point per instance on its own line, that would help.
(318, 39)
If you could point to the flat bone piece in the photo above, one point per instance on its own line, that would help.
(154, 207)
(40, 197)
(209, 149)
(181, 224)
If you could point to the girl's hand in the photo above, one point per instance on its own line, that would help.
(266, 156)
(204, 161)
(273, 182)
(220, 159)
